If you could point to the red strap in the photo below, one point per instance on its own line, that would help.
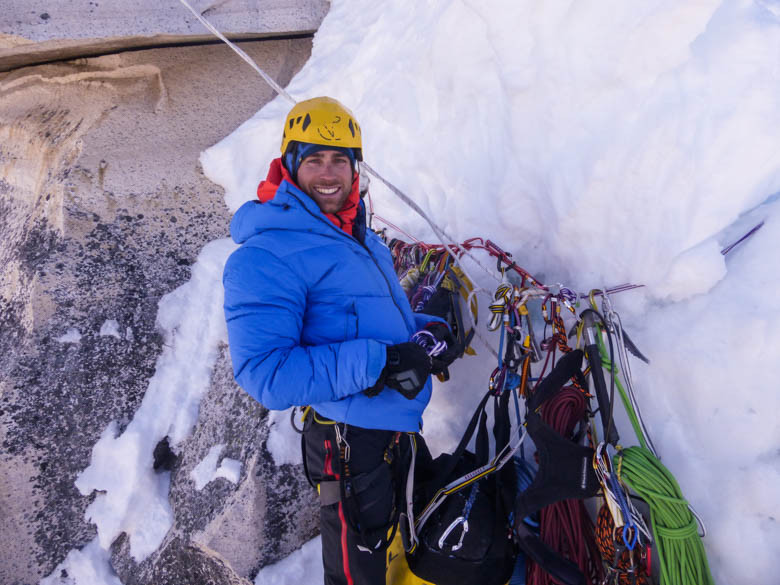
(344, 554)
(328, 469)
(329, 460)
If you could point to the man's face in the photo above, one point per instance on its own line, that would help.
(326, 177)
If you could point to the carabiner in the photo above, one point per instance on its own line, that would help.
(341, 440)
(460, 520)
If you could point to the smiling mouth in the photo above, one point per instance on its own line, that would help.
(327, 190)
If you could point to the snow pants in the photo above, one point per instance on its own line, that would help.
(376, 465)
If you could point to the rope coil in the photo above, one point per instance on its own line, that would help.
(681, 552)
(566, 526)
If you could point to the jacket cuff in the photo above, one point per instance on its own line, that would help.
(377, 358)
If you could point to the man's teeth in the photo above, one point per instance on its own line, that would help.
(327, 190)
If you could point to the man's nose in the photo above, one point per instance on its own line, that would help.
(329, 169)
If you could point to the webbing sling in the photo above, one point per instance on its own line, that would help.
(565, 468)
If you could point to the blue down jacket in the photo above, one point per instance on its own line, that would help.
(310, 311)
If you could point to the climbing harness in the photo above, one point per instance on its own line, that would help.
(347, 487)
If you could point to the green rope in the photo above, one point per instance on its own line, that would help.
(680, 549)
(681, 553)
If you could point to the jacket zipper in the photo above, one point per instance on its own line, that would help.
(370, 253)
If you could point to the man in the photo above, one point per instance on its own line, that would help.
(316, 317)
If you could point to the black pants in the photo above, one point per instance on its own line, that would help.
(350, 557)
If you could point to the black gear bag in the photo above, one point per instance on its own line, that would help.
(463, 533)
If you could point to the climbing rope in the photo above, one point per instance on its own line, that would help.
(268, 79)
(565, 526)
(622, 566)
(680, 549)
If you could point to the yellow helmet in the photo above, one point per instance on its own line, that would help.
(324, 121)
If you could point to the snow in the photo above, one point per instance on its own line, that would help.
(72, 335)
(207, 470)
(110, 328)
(90, 565)
(283, 443)
(599, 143)
(204, 471)
(230, 469)
(303, 566)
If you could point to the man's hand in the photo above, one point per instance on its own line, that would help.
(407, 369)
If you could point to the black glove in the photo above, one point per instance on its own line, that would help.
(407, 369)
(441, 362)
(440, 304)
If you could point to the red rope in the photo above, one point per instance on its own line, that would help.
(566, 526)
(620, 571)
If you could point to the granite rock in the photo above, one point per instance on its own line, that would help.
(103, 210)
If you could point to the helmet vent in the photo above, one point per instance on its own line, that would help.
(352, 128)
(306, 122)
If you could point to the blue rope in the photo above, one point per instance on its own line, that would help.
(501, 348)
(629, 522)
(470, 501)
(525, 476)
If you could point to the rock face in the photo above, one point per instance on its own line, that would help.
(225, 532)
(103, 209)
(37, 31)
(43, 20)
